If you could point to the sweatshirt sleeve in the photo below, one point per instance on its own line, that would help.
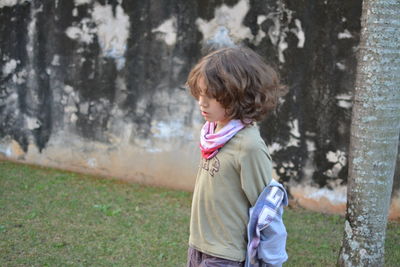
(255, 168)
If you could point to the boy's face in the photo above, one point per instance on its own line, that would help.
(210, 108)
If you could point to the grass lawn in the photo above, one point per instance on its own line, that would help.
(56, 218)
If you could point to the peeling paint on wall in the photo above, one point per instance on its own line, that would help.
(82, 2)
(339, 159)
(344, 101)
(345, 35)
(82, 32)
(298, 31)
(9, 3)
(294, 133)
(278, 33)
(168, 31)
(229, 17)
(111, 31)
(10, 67)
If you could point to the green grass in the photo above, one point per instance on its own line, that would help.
(56, 218)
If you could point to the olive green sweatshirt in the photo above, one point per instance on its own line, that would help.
(227, 185)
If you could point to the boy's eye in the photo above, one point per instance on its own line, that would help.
(206, 97)
(203, 95)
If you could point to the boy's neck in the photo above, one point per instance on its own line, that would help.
(220, 125)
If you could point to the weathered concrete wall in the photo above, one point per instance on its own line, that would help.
(97, 86)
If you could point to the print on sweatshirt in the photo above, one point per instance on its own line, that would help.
(211, 165)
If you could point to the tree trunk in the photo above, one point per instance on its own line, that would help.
(374, 137)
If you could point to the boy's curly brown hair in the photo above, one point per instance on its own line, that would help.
(239, 80)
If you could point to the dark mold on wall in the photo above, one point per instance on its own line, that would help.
(14, 37)
(315, 73)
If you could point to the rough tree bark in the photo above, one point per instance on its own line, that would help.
(374, 135)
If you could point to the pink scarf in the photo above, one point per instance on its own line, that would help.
(211, 143)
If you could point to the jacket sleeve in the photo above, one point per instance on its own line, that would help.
(272, 247)
(266, 231)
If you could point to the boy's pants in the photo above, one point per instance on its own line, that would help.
(200, 259)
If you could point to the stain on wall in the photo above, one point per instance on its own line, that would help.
(98, 86)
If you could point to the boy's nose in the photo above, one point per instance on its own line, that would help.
(202, 102)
